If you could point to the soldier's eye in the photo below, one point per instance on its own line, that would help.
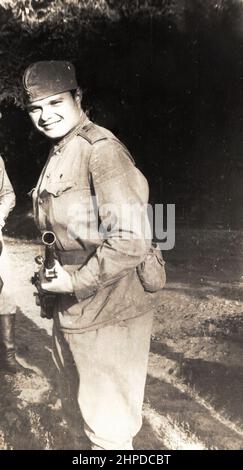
(53, 103)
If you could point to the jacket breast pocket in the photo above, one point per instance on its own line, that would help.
(59, 196)
(72, 206)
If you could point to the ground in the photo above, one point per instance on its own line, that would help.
(193, 397)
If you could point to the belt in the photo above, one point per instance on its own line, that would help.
(71, 257)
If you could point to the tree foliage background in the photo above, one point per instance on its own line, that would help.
(164, 75)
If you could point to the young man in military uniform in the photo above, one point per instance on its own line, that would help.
(102, 320)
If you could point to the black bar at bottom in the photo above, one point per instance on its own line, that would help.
(102, 459)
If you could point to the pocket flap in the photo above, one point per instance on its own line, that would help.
(58, 187)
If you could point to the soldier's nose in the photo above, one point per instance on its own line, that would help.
(45, 114)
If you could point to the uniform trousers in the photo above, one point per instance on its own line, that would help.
(105, 371)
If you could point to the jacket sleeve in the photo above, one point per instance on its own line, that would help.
(121, 196)
(7, 196)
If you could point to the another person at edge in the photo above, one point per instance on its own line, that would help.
(8, 361)
(102, 319)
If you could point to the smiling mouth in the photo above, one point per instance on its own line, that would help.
(49, 125)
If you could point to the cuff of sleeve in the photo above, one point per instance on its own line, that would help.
(84, 283)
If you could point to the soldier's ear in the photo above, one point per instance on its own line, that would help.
(78, 96)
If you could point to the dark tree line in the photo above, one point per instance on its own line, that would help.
(164, 75)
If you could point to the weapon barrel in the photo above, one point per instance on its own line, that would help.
(49, 239)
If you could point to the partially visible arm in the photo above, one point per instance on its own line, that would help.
(7, 196)
(121, 196)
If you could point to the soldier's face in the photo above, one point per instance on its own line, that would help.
(56, 115)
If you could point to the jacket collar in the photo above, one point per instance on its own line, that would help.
(84, 122)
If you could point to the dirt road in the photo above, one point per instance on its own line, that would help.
(194, 389)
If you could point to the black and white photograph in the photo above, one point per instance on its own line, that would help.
(121, 227)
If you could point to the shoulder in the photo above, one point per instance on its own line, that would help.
(110, 153)
(105, 147)
(94, 133)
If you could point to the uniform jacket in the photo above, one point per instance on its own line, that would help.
(90, 178)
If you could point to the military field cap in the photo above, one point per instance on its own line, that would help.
(47, 78)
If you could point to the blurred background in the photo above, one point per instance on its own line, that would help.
(166, 76)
